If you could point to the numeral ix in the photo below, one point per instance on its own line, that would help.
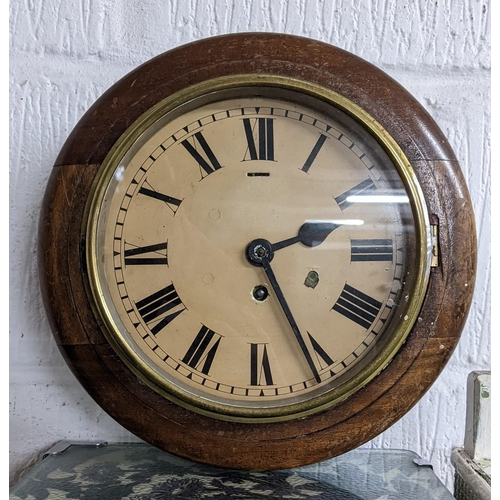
(146, 256)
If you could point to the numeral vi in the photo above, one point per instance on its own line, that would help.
(260, 369)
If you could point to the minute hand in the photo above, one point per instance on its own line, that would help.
(279, 294)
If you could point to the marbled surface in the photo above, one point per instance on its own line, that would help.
(141, 472)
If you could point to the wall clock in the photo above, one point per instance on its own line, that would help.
(257, 251)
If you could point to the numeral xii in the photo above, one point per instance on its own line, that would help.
(263, 149)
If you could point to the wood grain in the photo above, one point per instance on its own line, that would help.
(135, 405)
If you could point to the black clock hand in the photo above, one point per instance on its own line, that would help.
(284, 305)
(311, 234)
(260, 252)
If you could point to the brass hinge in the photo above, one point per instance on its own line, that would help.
(435, 244)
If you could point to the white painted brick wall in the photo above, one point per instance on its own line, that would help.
(65, 53)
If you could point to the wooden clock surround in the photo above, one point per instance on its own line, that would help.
(78, 330)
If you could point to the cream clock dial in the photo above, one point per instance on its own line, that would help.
(256, 253)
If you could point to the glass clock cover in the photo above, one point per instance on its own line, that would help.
(257, 252)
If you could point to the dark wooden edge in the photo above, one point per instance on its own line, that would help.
(371, 410)
(261, 53)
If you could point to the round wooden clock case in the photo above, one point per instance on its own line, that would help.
(300, 83)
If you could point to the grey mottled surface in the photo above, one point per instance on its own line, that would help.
(141, 472)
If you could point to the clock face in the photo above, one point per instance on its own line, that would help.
(257, 252)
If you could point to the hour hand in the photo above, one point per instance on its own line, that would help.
(311, 234)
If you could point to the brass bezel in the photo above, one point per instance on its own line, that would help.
(331, 397)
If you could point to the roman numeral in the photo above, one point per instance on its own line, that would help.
(260, 369)
(363, 188)
(263, 148)
(371, 250)
(209, 164)
(320, 353)
(153, 308)
(357, 306)
(201, 353)
(172, 203)
(314, 152)
(137, 256)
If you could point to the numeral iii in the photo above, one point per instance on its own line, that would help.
(371, 250)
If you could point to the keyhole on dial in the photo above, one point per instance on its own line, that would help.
(260, 293)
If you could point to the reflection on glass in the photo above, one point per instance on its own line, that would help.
(378, 199)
